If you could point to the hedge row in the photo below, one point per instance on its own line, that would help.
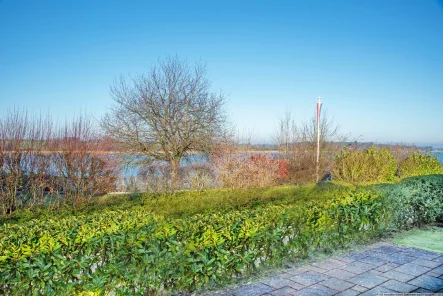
(133, 252)
(379, 165)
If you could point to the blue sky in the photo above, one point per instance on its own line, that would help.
(377, 64)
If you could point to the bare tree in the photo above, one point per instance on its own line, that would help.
(298, 145)
(286, 134)
(166, 113)
(329, 131)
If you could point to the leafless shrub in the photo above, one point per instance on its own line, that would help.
(236, 169)
(40, 164)
(25, 172)
(198, 177)
(83, 164)
(298, 146)
(286, 135)
(155, 178)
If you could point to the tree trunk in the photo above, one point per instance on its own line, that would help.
(175, 176)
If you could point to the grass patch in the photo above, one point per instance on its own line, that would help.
(429, 238)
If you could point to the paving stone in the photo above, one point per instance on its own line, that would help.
(428, 282)
(386, 267)
(375, 272)
(357, 267)
(285, 275)
(296, 286)
(340, 274)
(337, 284)
(422, 291)
(285, 291)
(373, 260)
(383, 256)
(305, 268)
(338, 262)
(368, 280)
(298, 270)
(377, 291)
(252, 290)
(389, 249)
(399, 276)
(423, 253)
(344, 259)
(359, 288)
(356, 255)
(309, 278)
(316, 290)
(426, 263)
(379, 268)
(328, 264)
(434, 274)
(310, 267)
(412, 269)
(400, 258)
(277, 282)
(438, 270)
(348, 292)
(398, 286)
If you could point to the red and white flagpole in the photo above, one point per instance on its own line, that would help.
(318, 111)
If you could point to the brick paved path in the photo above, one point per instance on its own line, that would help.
(376, 269)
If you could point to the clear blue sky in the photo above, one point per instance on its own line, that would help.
(377, 64)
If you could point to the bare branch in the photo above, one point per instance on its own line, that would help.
(166, 113)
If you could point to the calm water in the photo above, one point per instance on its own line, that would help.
(440, 156)
(133, 169)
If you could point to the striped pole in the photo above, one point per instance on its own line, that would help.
(317, 117)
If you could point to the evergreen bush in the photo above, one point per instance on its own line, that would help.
(132, 251)
(373, 165)
(419, 164)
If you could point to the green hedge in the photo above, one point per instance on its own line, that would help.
(370, 165)
(134, 252)
(418, 164)
(415, 200)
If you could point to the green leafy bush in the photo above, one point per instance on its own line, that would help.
(129, 251)
(415, 201)
(137, 250)
(419, 164)
(370, 165)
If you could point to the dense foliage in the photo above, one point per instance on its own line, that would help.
(419, 164)
(415, 201)
(370, 165)
(144, 246)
